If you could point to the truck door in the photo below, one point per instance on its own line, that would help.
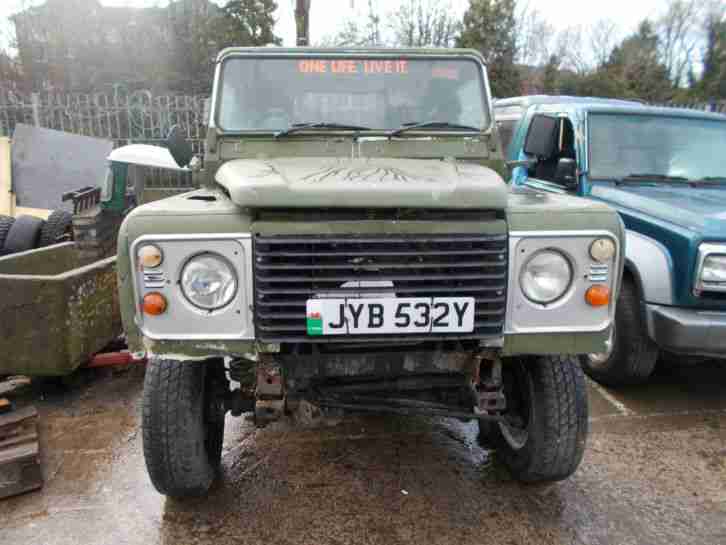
(550, 147)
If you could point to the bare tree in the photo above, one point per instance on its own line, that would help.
(570, 49)
(585, 49)
(424, 23)
(534, 36)
(604, 36)
(678, 31)
(363, 28)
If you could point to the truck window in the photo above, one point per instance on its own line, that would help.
(270, 94)
(506, 128)
(625, 144)
(546, 166)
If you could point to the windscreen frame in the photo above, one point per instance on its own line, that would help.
(487, 102)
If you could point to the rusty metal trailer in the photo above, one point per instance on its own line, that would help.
(57, 309)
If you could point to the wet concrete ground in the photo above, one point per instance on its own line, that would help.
(654, 472)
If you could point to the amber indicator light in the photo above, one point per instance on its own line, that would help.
(598, 296)
(154, 303)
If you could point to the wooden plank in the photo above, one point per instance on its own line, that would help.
(13, 385)
(19, 453)
(20, 470)
(15, 417)
(19, 440)
(5, 187)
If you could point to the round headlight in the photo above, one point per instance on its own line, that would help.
(602, 250)
(208, 281)
(546, 276)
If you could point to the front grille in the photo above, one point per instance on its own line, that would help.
(290, 269)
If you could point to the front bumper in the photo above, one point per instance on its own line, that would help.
(687, 331)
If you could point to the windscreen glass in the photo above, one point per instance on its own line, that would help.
(622, 145)
(273, 94)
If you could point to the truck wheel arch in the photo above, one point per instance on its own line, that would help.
(646, 258)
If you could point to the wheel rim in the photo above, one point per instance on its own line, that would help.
(598, 360)
(516, 423)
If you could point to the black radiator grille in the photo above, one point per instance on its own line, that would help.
(290, 269)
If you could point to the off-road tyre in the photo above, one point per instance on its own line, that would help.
(23, 234)
(6, 222)
(58, 228)
(633, 355)
(553, 392)
(183, 427)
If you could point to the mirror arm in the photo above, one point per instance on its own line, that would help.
(521, 163)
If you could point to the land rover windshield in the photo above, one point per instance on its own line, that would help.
(645, 146)
(380, 94)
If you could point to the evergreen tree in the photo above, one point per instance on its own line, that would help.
(550, 78)
(489, 26)
(713, 82)
(634, 69)
(249, 23)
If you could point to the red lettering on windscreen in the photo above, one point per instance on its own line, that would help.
(445, 72)
(312, 66)
(385, 67)
(344, 67)
(350, 66)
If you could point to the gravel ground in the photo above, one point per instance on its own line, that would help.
(654, 472)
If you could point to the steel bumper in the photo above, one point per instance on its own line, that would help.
(687, 331)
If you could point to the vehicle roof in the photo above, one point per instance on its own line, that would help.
(145, 155)
(606, 105)
(362, 51)
(529, 100)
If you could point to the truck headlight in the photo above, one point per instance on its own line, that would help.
(208, 281)
(714, 269)
(546, 276)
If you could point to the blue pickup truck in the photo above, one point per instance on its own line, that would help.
(664, 170)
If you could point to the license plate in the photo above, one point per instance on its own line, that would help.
(355, 316)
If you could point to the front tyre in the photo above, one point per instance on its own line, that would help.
(543, 434)
(183, 425)
(632, 356)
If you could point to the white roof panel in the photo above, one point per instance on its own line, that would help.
(145, 155)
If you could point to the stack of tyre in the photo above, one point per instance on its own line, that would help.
(29, 232)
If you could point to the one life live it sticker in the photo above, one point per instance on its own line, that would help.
(314, 318)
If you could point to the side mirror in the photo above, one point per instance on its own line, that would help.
(566, 172)
(179, 148)
(541, 141)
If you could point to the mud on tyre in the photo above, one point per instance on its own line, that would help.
(23, 234)
(544, 432)
(6, 222)
(183, 425)
(58, 228)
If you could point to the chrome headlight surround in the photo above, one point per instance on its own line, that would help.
(199, 275)
(546, 266)
(184, 320)
(710, 268)
(570, 313)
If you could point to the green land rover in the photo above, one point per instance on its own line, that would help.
(352, 247)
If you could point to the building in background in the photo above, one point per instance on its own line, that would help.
(81, 45)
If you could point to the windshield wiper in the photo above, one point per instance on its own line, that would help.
(431, 125)
(295, 127)
(645, 176)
